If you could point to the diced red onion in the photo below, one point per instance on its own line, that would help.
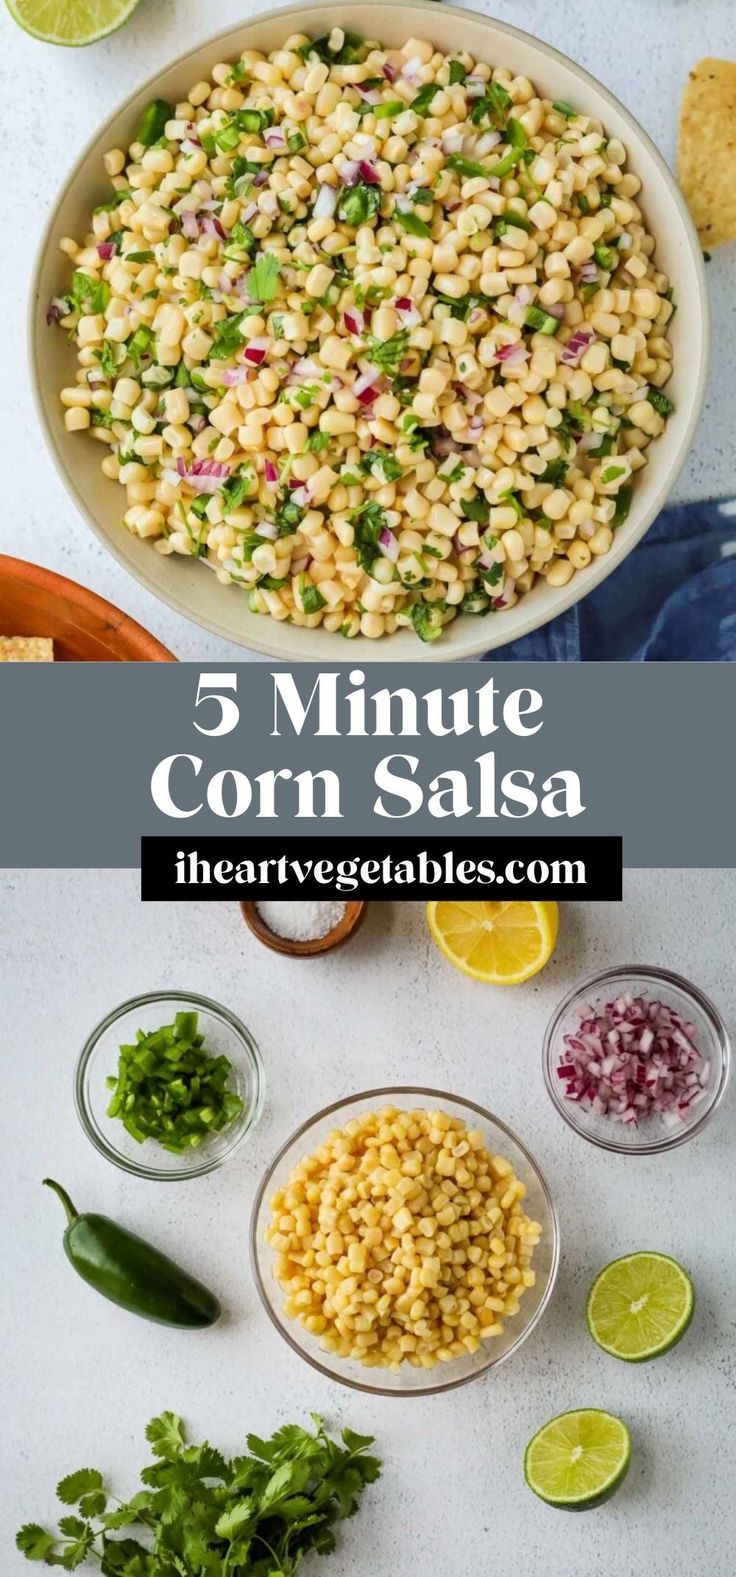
(325, 202)
(364, 387)
(512, 355)
(370, 95)
(189, 225)
(106, 250)
(368, 173)
(203, 476)
(576, 346)
(452, 141)
(261, 178)
(634, 1059)
(524, 295)
(474, 86)
(232, 376)
(354, 320)
(249, 212)
(59, 309)
(389, 72)
(271, 473)
(349, 172)
(298, 565)
(197, 422)
(255, 352)
(301, 495)
(211, 226)
(268, 529)
(588, 272)
(556, 310)
(408, 312)
(388, 544)
(515, 312)
(274, 137)
(476, 315)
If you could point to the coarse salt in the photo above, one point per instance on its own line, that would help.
(301, 921)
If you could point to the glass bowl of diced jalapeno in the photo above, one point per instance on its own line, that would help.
(169, 1085)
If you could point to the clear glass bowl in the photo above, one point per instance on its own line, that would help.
(409, 1381)
(223, 1033)
(656, 984)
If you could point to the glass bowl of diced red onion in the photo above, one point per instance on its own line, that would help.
(636, 1059)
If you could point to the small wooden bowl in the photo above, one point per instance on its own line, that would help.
(84, 627)
(352, 918)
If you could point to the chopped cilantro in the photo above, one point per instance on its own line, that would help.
(477, 508)
(555, 471)
(563, 108)
(383, 462)
(88, 295)
(234, 490)
(388, 354)
(612, 473)
(457, 73)
(317, 442)
(369, 520)
(310, 596)
(493, 105)
(228, 337)
(426, 618)
(262, 281)
(106, 358)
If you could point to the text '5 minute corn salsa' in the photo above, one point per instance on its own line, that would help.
(377, 335)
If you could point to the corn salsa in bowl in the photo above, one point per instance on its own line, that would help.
(378, 335)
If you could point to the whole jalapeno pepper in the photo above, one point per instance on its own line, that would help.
(132, 1273)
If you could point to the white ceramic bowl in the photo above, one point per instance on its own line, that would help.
(183, 584)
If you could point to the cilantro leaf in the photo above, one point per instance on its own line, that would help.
(165, 1435)
(388, 354)
(262, 281)
(34, 1542)
(71, 1489)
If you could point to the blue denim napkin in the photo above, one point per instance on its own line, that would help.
(672, 600)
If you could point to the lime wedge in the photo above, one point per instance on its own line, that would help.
(578, 1460)
(639, 1306)
(72, 22)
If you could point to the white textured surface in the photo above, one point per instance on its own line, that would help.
(53, 99)
(84, 1378)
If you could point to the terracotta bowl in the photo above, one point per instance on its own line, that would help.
(84, 627)
(184, 584)
(353, 917)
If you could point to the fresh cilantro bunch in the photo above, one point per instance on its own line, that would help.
(198, 1515)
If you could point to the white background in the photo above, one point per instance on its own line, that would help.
(84, 1377)
(52, 101)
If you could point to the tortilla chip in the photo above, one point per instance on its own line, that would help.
(707, 149)
(26, 649)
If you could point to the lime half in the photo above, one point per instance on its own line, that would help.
(639, 1306)
(71, 22)
(578, 1460)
